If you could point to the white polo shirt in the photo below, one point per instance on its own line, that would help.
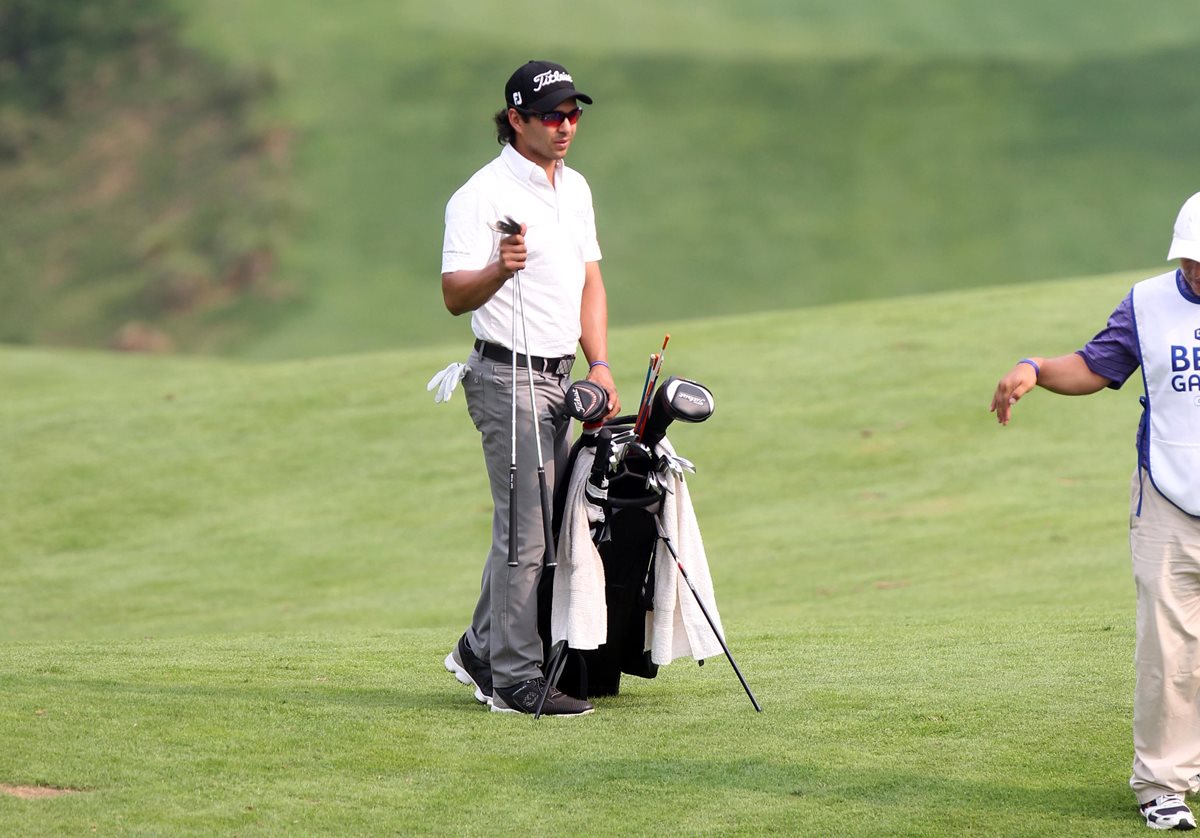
(561, 240)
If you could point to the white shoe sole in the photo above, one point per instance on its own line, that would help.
(497, 708)
(464, 677)
(1171, 827)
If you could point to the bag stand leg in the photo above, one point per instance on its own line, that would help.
(712, 625)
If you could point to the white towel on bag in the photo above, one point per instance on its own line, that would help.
(579, 612)
(676, 627)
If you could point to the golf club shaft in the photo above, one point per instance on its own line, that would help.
(712, 624)
(647, 394)
(644, 410)
(645, 388)
(658, 365)
(512, 466)
(548, 557)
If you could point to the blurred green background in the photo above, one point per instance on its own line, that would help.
(267, 179)
(227, 583)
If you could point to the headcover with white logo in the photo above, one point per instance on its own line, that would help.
(677, 398)
(586, 401)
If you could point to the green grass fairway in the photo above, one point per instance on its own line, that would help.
(226, 590)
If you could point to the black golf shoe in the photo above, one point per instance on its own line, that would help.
(523, 698)
(470, 670)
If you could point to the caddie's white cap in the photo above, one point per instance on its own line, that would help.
(1186, 243)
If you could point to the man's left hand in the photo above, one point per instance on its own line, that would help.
(602, 375)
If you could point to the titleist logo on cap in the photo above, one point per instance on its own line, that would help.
(550, 77)
(540, 86)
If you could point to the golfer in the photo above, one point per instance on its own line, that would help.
(1156, 327)
(561, 303)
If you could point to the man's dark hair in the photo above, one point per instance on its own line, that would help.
(505, 135)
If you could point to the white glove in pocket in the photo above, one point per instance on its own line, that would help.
(446, 381)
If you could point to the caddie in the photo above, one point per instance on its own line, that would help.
(1156, 327)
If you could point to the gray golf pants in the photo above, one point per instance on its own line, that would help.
(504, 626)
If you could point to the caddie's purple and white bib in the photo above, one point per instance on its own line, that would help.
(1168, 332)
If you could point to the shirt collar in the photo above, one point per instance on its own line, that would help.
(1184, 288)
(525, 169)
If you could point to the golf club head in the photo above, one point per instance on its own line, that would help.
(586, 401)
(506, 225)
(678, 398)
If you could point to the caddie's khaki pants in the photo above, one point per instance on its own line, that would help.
(1165, 543)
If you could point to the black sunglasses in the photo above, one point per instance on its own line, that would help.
(554, 118)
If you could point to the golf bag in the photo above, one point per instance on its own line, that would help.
(625, 482)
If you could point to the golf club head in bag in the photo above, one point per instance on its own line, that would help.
(586, 401)
(678, 398)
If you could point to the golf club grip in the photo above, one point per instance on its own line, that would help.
(512, 516)
(600, 457)
(549, 559)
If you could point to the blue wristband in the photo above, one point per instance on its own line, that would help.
(598, 364)
(1037, 371)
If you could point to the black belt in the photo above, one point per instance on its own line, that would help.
(496, 352)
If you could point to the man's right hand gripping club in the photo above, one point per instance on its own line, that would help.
(467, 290)
(512, 247)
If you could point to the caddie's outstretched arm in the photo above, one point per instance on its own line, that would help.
(1068, 375)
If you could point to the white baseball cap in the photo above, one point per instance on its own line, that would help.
(1186, 243)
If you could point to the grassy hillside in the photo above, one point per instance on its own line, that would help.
(273, 187)
(225, 591)
(142, 203)
(768, 155)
